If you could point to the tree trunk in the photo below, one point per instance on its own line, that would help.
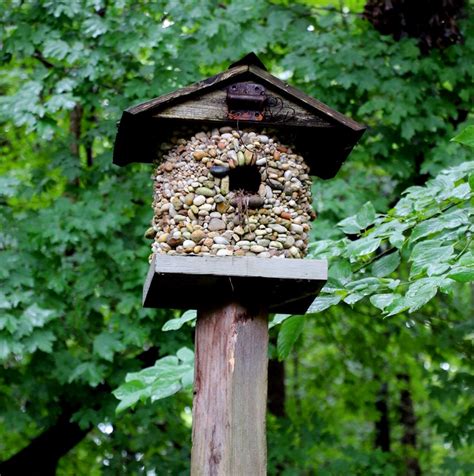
(408, 422)
(230, 392)
(41, 456)
(276, 386)
(75, 127)
(382, 425)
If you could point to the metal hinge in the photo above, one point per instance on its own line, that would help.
(246, 101)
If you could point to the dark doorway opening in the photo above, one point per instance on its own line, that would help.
(246, 178)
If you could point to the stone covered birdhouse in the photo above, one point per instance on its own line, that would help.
(233, 157)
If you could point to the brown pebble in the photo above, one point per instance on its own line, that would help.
(199, 154)
(150, 233)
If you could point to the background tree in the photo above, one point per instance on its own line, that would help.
(73, 261)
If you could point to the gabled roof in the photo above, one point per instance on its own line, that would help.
(322, 135)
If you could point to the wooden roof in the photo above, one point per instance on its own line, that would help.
(322, 135)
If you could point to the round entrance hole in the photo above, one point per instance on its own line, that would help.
(246, 178)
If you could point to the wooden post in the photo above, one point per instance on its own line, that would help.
(230, 392)
(230, 383)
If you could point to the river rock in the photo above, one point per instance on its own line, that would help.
(189, 244)
(195, 210)
(199, 200)
(216, 224)
(207, 192)
(197, 235)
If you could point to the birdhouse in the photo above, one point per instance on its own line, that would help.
(233, 157)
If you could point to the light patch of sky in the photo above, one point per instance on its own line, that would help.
(105, 428)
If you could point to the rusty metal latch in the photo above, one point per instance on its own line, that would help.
(246, 101)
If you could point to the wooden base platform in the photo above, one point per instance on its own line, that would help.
(200, 282)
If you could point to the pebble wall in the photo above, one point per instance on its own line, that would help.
(226, 192)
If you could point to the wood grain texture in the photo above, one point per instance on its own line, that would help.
(230, 392)
(308, 101)
(191, 282)
(188, 91)
(213, 107)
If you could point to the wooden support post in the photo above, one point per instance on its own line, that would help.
(230, 384)
(230, 392)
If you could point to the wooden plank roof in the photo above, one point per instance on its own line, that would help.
(324, 136)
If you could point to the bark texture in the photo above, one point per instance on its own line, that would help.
(230, 392)
(408, 423)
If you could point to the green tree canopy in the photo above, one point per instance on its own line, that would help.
(378, 384)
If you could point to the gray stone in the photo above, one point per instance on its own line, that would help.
(189, 244)
(219, 171)
(278, 228)
(257, 249)
(220, 240)
(207, 192)
(216, 224)
(199, 200)
(225, 183)
(298, 229)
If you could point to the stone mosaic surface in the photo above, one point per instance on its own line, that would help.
(226, 192)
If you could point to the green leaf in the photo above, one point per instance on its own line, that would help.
(381, 301)
(169, 375)
(466, 136)
(288, 335)
(449, 220)
(5, 349)
(397, 239)
(349, 226)
(94, 26)
(386, 265)
(341, 271)
(57, 49)
(42, 340)
(397, 305)
(462, 275)
(362, 247)
(323, 302)
(130, 393)
(177, 323)
(420, 292)
(162, 389)
(429, 252)
(278, 319)
(106, 344)
(366, 216)
(185, 354)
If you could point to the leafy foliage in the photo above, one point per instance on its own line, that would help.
(430, 227)
(73, 262)
(169, 375)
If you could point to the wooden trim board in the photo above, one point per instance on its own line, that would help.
(201, 282)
